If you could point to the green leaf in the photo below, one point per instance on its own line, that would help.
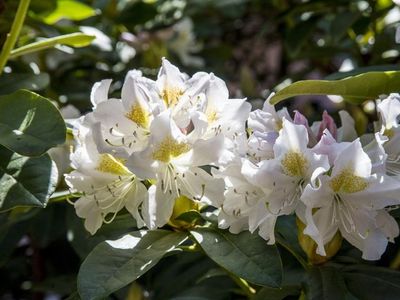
(327, 283)
(341, 24)
(29, 123)
(286, 237)
(355, 89)
(246, 255)
(25, 181)
(114, 264)
(76, 39)
(372, 283)
(277, 293)
(70, 10)
(136, 13)
(190, 216)
(11, 82)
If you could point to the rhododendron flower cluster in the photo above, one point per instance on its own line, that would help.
(182, 136)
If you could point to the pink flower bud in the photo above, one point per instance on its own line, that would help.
(327, 123)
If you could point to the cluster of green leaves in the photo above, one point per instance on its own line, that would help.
(48, 250)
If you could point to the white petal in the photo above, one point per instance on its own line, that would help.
(389, 110)
(317, 194)
(387, 224)
(99, 92)
(374, 245)
(170, 76)
(157, 209)
(163, 126)
(203, 187)
(267, 229)
(291, 138)
(327, 145)
(87, 209)
(382, 191)
(376, 153)
(234, 224)
(354, 158)
(206, 152)
(346, 133)
(137, 90)
(138, 195)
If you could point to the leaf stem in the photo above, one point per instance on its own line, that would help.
(12, 36)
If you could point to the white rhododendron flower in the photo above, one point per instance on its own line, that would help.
(121, 126)
(172, 159)
(352, 200)
(245, 206)
(106, 184)
(289, 171)
(269, 182)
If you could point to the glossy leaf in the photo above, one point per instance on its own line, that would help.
(70, 10)
(29, 123)
(356, 89)
(384, 283)
(25, 181)
(114, 264)
(246, 255)
(76, 39)
(277, 293)
(327, 283)
(12, 82)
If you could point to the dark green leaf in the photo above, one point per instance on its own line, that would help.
(356, 89)
(25, 181)
(29, 123)
(137, 13)
(12, 82)
(277, 293)
(245, 255)
(372, 283)
(114, 264)
(327, 283)
(341, 24)
(190, 216)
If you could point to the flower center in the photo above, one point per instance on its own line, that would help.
(168, 149)
(171, 96)
(110, 164)
(138, 115)
(211, 116)
(347, 182)
(294, 164)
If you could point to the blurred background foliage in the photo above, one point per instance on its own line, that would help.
(254, 45)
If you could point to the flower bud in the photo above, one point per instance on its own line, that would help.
(309, 246)
(183, 205)
(327, 123)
